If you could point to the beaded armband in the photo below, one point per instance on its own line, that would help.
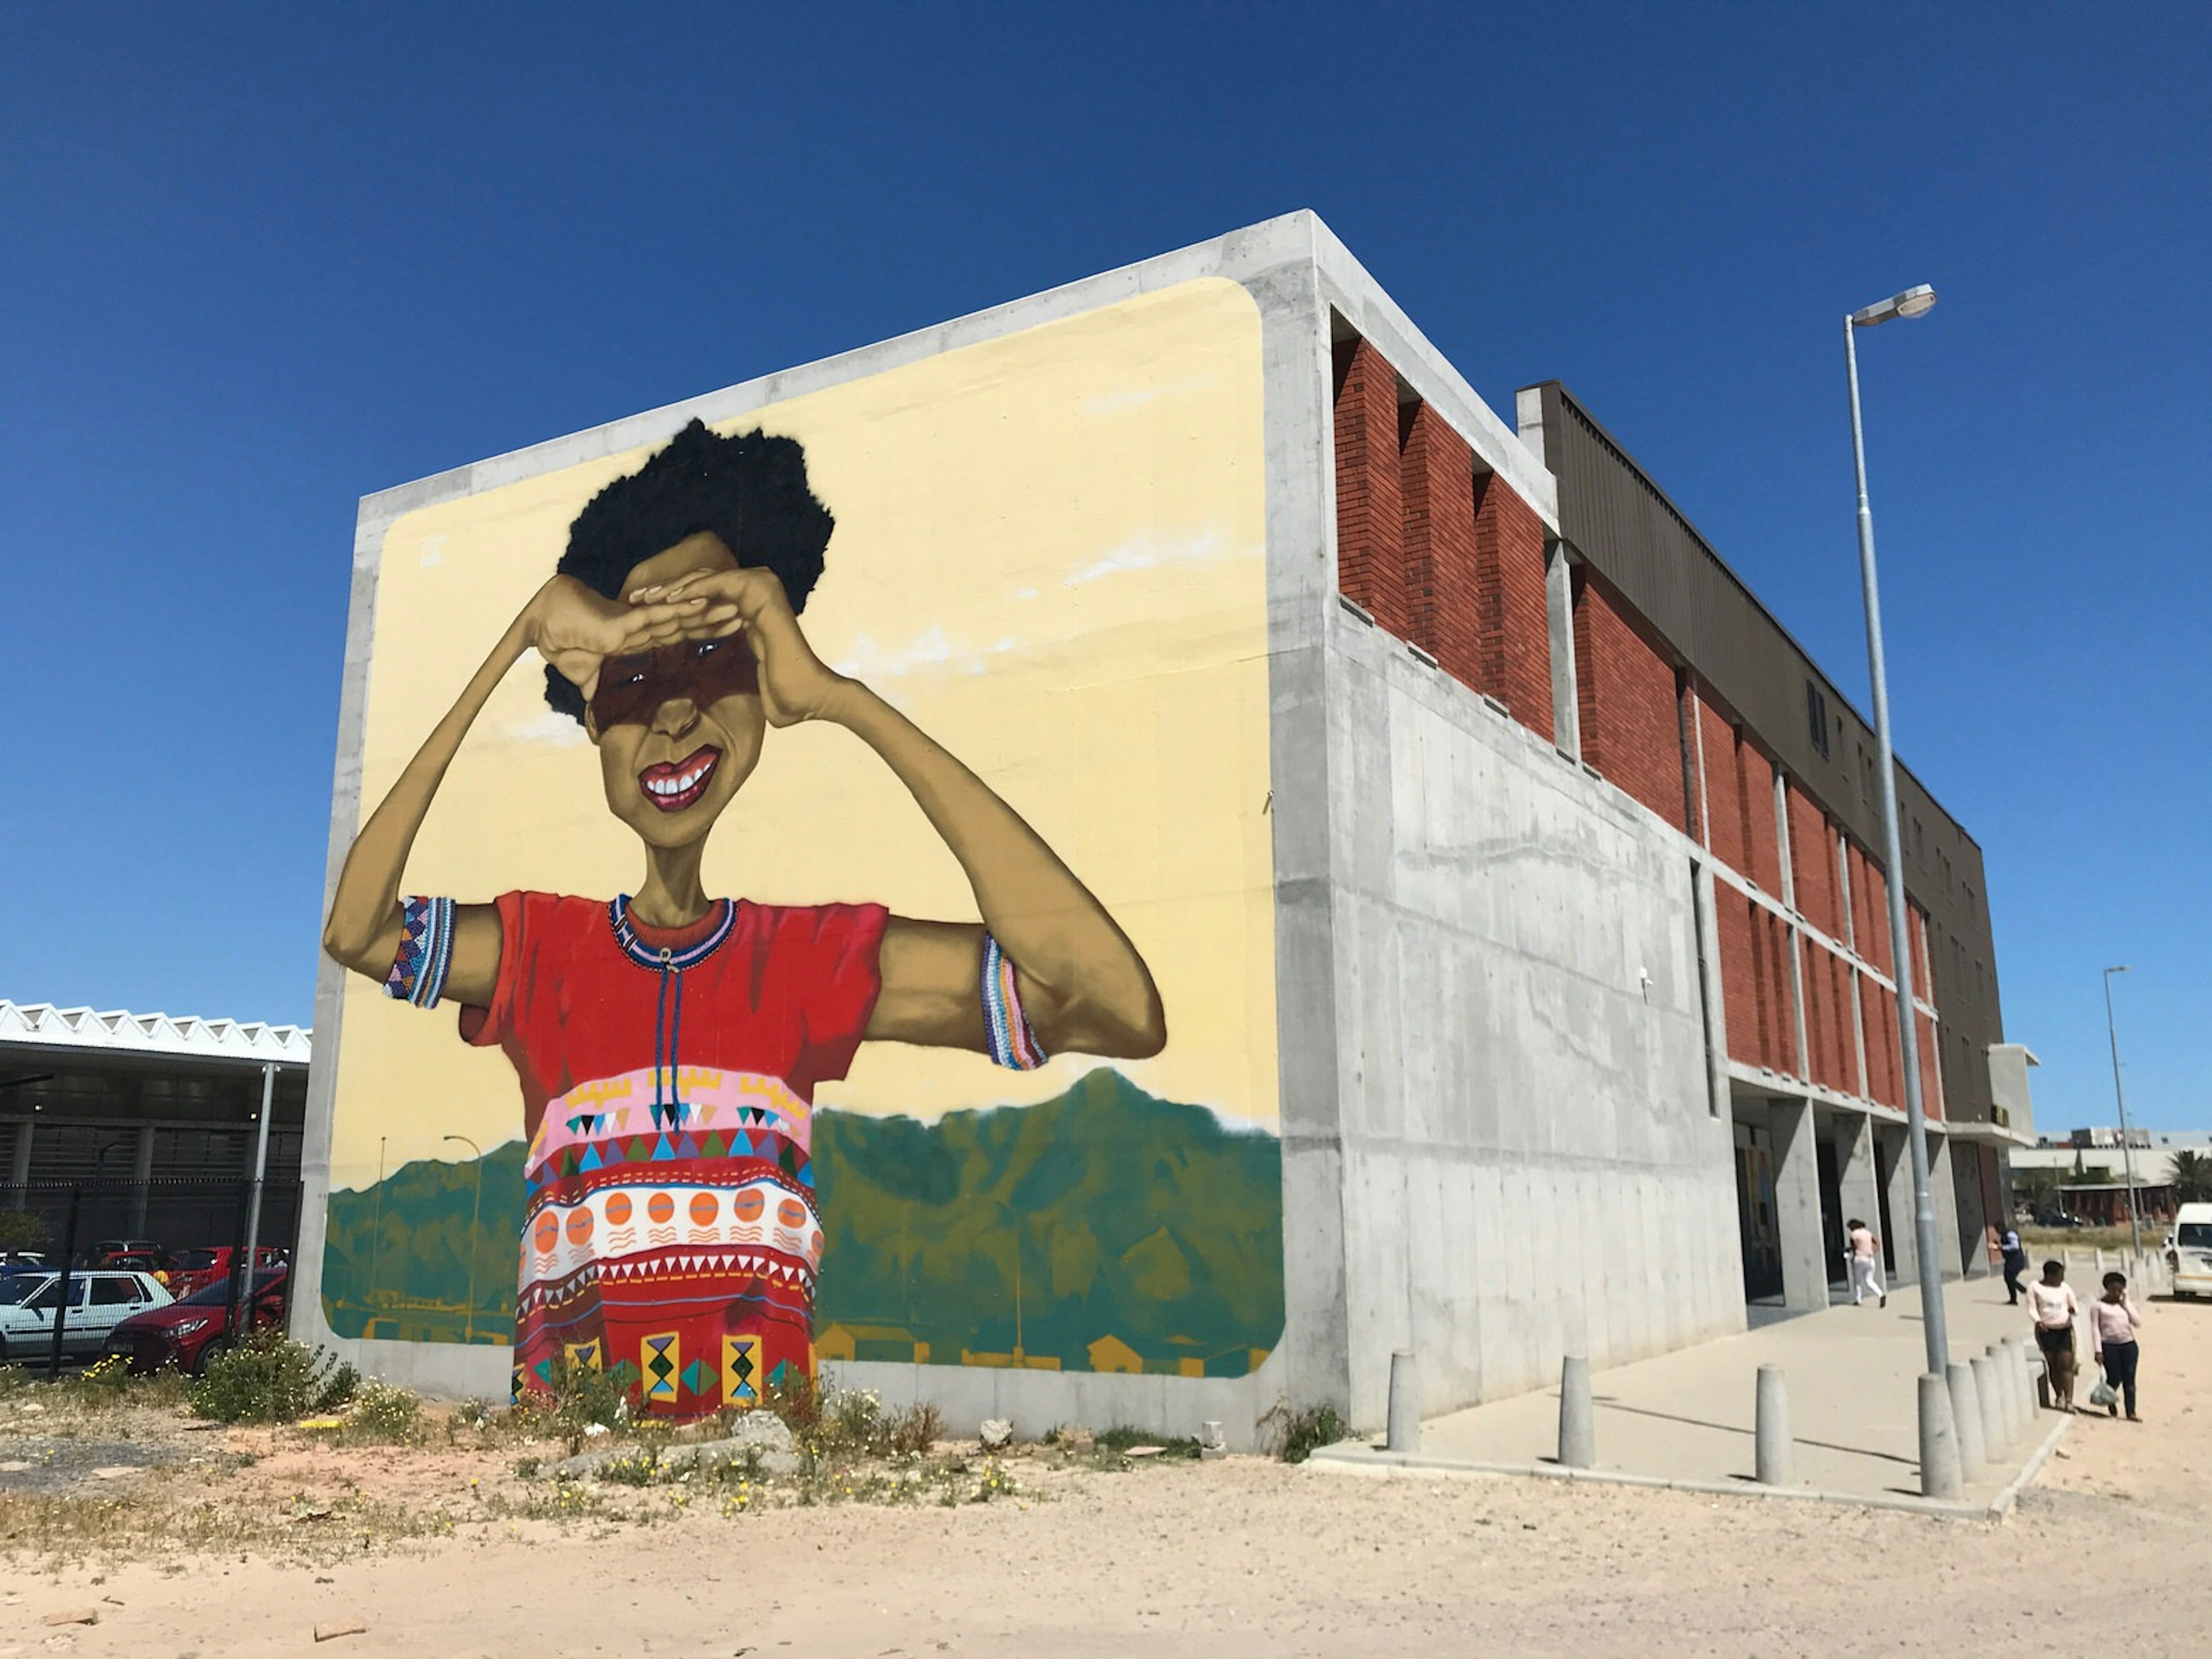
(1013, 1045)
(426, 951)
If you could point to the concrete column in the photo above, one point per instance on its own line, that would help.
(142, 1171)
(19, 1167)
(1903, 1247)
(1709, 989)
(1946, 1194)
(1975, 1218)
(1856, 1174)
(1797, 1205)
(1560, 606)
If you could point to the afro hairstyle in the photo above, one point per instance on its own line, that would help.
(750, 490)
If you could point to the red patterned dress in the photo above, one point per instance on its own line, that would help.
(668, 1083)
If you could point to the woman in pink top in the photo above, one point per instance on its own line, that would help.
(2113, 1322)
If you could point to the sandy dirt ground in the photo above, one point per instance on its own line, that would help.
(1231, 1558)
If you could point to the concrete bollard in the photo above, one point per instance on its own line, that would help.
(1986, 1387)
(2007, 1385)
(1578, 1421)
(1958, 1381)
(1772, 1443)
(1939, 1440)
(1404, 1429)
(2034, 1383)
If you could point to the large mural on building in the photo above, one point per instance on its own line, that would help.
(845, 876)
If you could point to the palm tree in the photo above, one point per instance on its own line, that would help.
(2193, 1178)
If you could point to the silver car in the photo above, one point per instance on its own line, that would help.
(99, 1300)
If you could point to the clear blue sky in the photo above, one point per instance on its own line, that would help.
(256, 262)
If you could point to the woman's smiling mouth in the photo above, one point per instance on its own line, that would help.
(674, 785)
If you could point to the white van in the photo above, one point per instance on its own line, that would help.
(2188, 1250)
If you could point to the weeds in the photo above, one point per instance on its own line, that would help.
(1297, 1435)
(581, 1398)
(387, 1413)
(271, 1379)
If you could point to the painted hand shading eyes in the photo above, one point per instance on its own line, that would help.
(795, 684)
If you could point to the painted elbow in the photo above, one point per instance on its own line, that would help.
(347, 949)
(1150, 1035)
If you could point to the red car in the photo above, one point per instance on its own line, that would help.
(188, 1333)
(197, 1269)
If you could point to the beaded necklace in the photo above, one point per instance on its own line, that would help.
(668, 1006)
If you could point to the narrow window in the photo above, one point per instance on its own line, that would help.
(1816, 717)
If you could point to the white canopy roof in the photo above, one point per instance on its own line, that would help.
(41, 1025)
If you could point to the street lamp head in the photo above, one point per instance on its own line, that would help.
(2121, 969)
(1913, 303)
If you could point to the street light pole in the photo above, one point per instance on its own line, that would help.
(1913, 303)
(2120, 1096)
(475, 1211)
(1019, 1357)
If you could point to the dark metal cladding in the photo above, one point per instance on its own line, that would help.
(1612, 515)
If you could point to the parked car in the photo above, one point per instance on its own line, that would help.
(160, 1263)
(22, 1261)
(2188, 1250)
(197, 1269)
(97, 1253)
(188, 1333)
(99, 1300)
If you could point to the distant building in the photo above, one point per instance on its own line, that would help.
(151, 1119)
(2086, 1171)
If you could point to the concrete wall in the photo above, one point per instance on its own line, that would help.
(1531, 1165)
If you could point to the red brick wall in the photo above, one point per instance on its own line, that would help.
(1443, 583)
(1754, 950)
(1931, 1082)
(1625, 688)
(1813, 865)
(1828, 1020)
(1739, 974)
(1371, 519)
(1449, 562)
(1516, 626)
(1880, 1010)
(1755, 789)
(1924, 984)
(1775, 993)
(1723, 789)
(1870, 911)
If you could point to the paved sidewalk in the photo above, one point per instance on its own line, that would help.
(1851, 1375)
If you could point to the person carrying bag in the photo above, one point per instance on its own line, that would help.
(2113, 1322)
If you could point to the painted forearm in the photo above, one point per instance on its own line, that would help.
(364, 921)
(1092, 988)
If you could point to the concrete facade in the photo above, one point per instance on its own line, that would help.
(1507, 1094)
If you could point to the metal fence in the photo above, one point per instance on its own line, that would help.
(78, 1225)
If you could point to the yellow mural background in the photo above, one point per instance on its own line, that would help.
(1049, 554)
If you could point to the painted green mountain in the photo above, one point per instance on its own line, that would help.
(1104, 1229)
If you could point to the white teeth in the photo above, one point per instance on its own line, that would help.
(677, 786)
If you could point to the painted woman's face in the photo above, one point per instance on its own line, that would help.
(679, 730)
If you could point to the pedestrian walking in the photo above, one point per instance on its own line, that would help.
(2016, 1263)
(2051, 1307)
(2113, 1322)
(1865, 1247)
